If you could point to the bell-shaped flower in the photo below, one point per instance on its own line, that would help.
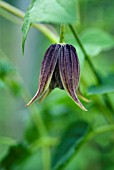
(60, 68)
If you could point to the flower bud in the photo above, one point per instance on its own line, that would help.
(60, 68)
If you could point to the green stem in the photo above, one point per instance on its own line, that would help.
(62, 30)
(34, 113)
(18, 13)
(46, 153)
(12, 9)
(88, 137)
(87, 57)
(53, 38)
(85, 54)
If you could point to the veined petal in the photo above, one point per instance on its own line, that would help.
(75, 66)
(56, 80)
(70, 72)
(44, 95)
(47, 69)
(48, 66)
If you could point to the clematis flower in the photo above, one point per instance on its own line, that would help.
(60, 68)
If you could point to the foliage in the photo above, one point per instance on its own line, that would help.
(56, 134)
(42, 11)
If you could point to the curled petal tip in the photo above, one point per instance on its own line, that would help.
(41, 98)
(83, 108)
(44, 95)
(86, 100)
(70, 72)
(27, 104)
(82, 97)
(76, 100)
(33, 99)
(79, 103)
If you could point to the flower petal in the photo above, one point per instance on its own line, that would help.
(81, 96)
(44, 95)
(56, 80)
(70, 72)
(47, 69)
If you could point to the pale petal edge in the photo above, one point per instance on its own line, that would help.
(53, 62)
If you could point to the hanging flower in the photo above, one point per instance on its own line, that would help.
(60, 68)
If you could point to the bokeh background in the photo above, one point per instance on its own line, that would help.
(19, 81)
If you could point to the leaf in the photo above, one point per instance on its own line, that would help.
(15, 155)
(70, 143)
(7, 141)
(5, 68)
(48, 11)
(2, 85)
(31, 133)
(15, 86)
(96, 41)
(51, 11)
(3, 151)
(102, 89)
(106, 87)
(25, 30)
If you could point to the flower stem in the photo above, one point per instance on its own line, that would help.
(46, 153)
(51, 36)
(62, 31)
(87, 57)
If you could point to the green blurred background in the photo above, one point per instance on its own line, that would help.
(19, 81)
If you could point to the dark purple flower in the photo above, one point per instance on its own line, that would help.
(60, 68)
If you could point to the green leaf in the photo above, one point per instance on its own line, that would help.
(48, 11)
(70, 143)
(15, 86)
(25, 30)
(106, 87)
(5, 68)
(31, 133)
(7, 141)
(15, 156)
(2, 85)
(54, 11)
(3, 151)
(102, 89)
(96, 41)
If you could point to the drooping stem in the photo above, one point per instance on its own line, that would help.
(87, 57)
(51, 36)
(62, 31)
(12, 9)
